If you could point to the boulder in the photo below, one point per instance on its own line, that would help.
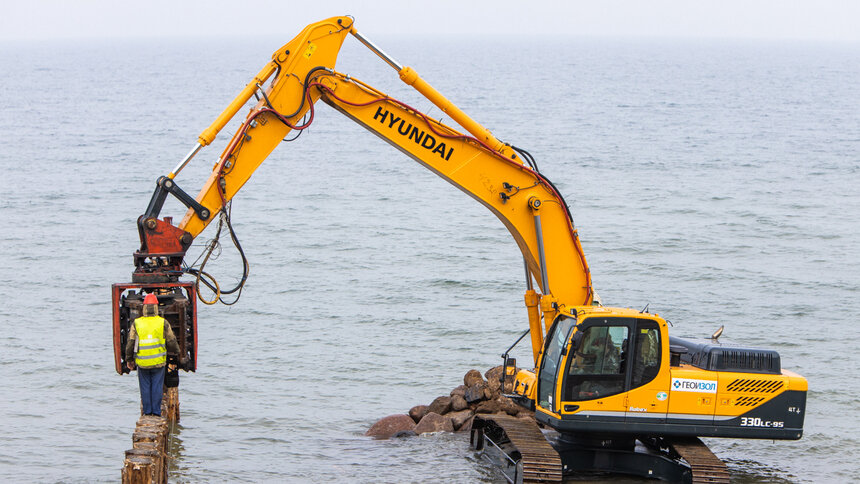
(433, 422)
(403, 434)
(440, 405)
(494, 373)
(494, 379)
(508, 406)
(494, 385)
(467, 425)
(472, 377)
(475, 393)
(418, 412)
(489, 406)
(458, 403)
(459, 418)
(460, 390)
(391, 425)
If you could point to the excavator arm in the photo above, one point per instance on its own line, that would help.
(301, 72)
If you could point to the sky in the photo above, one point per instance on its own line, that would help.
(826, 20)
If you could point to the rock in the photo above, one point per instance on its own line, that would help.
(457, 411)
(472, 377)
(494, 373)
(433, 422)
(440, 405)
(418, 412)
(458, 403)
(460, 390)
(475, 392)
(467, 425)
(403, 434)
(494, 379)
(489, 406)
(391, 425)
(494, 384)
(459, 418)
(508, 406)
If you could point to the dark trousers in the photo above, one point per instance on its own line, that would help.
(151, 382)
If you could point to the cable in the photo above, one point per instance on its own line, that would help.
(298, 131)
(203, 277)
(528, 157)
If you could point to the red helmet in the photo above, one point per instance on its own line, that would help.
(150, 299)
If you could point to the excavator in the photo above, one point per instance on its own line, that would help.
(611, 390)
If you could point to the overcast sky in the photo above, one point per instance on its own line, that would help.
(769, 19)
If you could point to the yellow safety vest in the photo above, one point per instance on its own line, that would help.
(151, 350)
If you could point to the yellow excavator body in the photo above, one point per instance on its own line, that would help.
(617, 371)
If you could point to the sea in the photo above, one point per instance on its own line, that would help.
(716, 182)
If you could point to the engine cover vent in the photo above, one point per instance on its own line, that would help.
(748, 401)
(717, 357)
(752, 385)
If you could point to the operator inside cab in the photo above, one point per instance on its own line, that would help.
(599, 362)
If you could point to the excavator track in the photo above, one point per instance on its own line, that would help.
(526, 455)
(522, 444)
(706, 467)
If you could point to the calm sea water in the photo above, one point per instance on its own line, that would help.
(718, 182)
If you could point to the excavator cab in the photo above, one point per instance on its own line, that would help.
(592, 364)
(616, 371)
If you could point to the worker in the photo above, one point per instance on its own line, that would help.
(599, 355)
(150, 339)
(600, 364)
(611, 363)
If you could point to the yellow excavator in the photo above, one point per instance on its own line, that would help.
(612, 390)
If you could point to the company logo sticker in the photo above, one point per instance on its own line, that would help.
(687, 385)
(662, 396)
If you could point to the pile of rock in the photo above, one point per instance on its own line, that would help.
(454, 413)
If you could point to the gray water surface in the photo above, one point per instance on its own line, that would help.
(718, 182)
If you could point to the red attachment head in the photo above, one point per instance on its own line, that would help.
(150, 299)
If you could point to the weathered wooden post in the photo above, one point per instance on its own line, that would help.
(170, 405)
(147, 461)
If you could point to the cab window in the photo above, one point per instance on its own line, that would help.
(597, 368)
(554, 349)
(646, 356)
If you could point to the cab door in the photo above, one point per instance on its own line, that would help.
(648, 397)
(596, 376)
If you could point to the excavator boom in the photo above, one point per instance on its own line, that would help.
(482, 166)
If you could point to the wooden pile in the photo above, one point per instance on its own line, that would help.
(147, 461)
